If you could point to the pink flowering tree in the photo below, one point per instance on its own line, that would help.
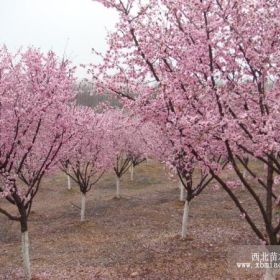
(34, 88)
(87, 159)
(211, 67)
(136, 158)
(121, 141)
(137, 151)
(125, 141)
(193, 177)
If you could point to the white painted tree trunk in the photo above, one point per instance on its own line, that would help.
(25, 254)
(244, 173)
(182, 191)
(131, 172)
(270, 274)
(118, 190)
(68, 182)
(83, 207)
(185, 220)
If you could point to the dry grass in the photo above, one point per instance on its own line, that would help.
(135, 237)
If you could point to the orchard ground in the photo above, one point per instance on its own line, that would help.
(135, 237)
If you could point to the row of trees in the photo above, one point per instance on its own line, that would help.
(199, 77)
(207, 73)
(42, 131)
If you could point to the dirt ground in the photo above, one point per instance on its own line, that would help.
(135, 237)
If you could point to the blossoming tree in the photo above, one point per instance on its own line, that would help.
(34, 88)
(88, 157)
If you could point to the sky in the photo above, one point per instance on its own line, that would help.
(70, 27)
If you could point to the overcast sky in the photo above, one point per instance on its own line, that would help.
(70, 26)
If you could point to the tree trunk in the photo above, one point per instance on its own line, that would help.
(244, 173)
(182, 192)
(118, 191)
(131, 172)
(25, 248)
(270, 274)
(83, 206)
(185, 219)
(68, 182)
